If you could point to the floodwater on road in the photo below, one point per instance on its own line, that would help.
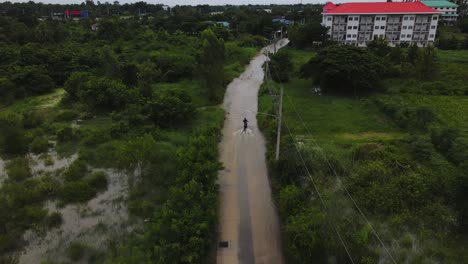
(248, 217)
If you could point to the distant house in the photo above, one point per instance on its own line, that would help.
(281, 20)
(267, 10)
(448, 9)
(358, 24)
(223, 23)
(75, 13)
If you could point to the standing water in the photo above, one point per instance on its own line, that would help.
(248, 218)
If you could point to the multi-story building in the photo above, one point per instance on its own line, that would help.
(399, 22)
(448, 9)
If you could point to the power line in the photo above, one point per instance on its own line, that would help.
(330, 221)
(342, 185)
(334, 172)
(318, 193)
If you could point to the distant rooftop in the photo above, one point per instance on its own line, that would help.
(439, 3)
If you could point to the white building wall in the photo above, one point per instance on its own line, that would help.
(352, 28)
(433, 28)
(380, 26)
(327, 21)
(407, 27)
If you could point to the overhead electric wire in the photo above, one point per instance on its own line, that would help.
(331, 222)
(336, 175)
(318, 194)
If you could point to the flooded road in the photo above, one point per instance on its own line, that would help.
(248, 217)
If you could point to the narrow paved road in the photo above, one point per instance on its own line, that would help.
(248, 217)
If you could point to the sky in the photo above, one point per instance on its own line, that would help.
(188, 2)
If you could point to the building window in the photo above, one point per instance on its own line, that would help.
(329, 18)
(411, 18)
(377, 18)
(354, 35)
(408, 36)
(431, 35)
(350, 27)
(433, 27)
(410, 27)
(382, 27)
(405, 27)
(402, 35)
(376, 27)
(356, 19)
(348, 36)
(383, 18)
(434, 18)
(355, 27)
(406, 18)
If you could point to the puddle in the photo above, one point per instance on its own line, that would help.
(94, 223)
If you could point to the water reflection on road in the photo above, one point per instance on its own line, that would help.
(248, 217)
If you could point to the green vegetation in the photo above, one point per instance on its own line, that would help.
(139, 95)
(399, 152)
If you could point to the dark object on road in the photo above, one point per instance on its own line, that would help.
(245, 123)
(223, 244)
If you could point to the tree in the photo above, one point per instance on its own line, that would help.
(379, 46)
(33, 79)
(211, 64)
(148, 74)
(345, 70)
(170, 107)
(412, 54)
(426, 63)
(281, 65)
(7, 90)
(305, 35)
(13, 138)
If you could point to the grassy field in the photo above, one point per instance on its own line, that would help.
(453, 56)
(374, 157)
(450, 111)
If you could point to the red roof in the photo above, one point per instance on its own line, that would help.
(381, 8)
(329, 6)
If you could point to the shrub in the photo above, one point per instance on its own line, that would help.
(97, 180)
(32, 119)
(66, 115)
(76, 251)
(76, 171)
(54, 220)
(77, 191)
(18, 169)
(13, 138)
(64, 133)
(39, 145)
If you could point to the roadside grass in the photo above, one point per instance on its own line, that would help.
(299, 58)
(329, 116)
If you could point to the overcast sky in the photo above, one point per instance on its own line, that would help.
(190, 2)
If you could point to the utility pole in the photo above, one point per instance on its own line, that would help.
(280, 114)
(274, 43)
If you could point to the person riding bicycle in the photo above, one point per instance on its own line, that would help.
(245, 123)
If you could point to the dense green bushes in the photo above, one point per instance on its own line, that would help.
(181, 231)
(345, 70)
